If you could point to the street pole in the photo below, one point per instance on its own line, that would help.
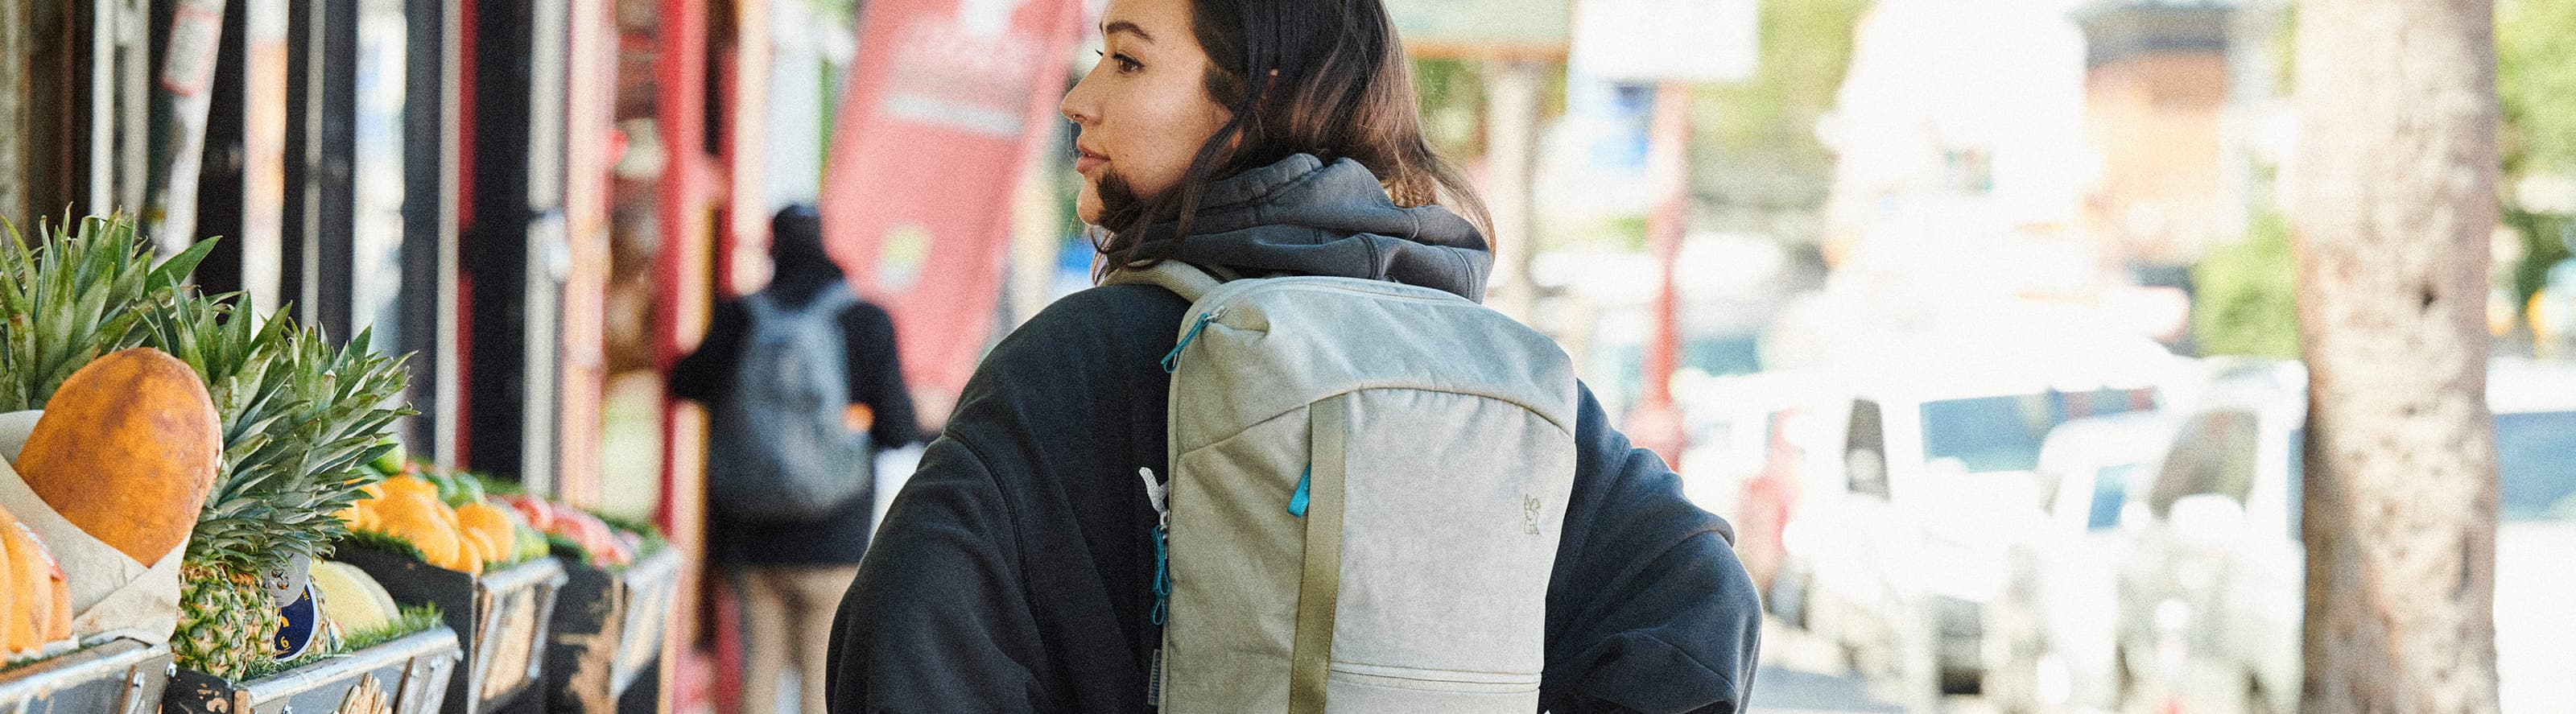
(1657, 423)
(184, 99)
(1512, 88)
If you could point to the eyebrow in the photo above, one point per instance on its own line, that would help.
(1125, 26)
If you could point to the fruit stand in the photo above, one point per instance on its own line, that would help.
(410, 675)
(500, 618)
(203, 509)
(121, 676)
(607, 637)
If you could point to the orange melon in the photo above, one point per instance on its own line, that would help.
(59, 628)
(30, 575)
(489, 524)
(9, 603)
(126, 450)
(415, 518)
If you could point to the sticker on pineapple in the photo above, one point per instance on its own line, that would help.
(297, 624)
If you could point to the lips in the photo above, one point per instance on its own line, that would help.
(1086, 160)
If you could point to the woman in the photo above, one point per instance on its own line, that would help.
(1270, 137)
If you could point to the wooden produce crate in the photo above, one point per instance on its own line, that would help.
(604, 653)
(409, 675)
(120, 676)
(500, 619)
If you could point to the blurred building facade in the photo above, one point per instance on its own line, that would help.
(1960, 161)
(2156, 91)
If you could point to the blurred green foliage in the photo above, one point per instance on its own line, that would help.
(1756, 162)
(1445, 87)
(2536, 87)
(2536, 81)
(1452, 96)
(2245, 300)
(2544, 243)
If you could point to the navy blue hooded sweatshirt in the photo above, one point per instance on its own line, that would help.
(1013, 572)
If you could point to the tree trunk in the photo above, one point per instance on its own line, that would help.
(2395, 200)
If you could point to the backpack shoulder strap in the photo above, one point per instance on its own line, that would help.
(832, 300)
(1187, 280)
(760, 307)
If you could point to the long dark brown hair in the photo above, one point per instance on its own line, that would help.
(1322, 77)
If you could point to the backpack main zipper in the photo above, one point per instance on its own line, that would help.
(1159, 496)
(1172, 359)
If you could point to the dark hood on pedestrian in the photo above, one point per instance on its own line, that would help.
(1301, 216)
(796, 252)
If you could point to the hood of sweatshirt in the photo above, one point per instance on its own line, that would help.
(1302, 216)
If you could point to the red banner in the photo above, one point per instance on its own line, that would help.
(945, 103)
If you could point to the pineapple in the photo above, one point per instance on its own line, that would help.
(299, 416)
(300, 419)
(226, 621)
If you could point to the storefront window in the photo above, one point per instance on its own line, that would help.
(377, 232)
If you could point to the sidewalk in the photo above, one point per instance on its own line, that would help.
(1805, 675)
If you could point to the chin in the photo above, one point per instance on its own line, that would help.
(1086, 205)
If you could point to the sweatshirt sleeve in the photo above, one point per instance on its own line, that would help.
(1648, 609)
(936, 621)
(876, 375)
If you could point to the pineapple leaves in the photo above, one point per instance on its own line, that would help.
(74, 295)
(299, 416)
(177, 269)
(307, 416)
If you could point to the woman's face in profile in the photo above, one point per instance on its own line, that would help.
(1144, 109)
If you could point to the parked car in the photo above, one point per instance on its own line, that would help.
(1753, 439)
(2054, 629)
(2212, 604)
(1899, 553)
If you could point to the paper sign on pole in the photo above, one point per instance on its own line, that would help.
(1648, 41)
(1482, 28)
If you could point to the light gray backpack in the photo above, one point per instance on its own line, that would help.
(780, 453)
(1367, 486)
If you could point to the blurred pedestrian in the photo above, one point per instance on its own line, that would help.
(1020, 569)
(804, 385)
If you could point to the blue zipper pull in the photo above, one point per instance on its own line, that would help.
(1172, 359)
(1305, 493)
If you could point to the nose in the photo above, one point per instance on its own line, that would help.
(1080, 105)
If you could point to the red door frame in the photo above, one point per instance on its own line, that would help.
(687, 199)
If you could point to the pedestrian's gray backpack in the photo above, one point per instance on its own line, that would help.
(1367, 486)
(780, 452)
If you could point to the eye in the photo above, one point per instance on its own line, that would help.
(1126, 64)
